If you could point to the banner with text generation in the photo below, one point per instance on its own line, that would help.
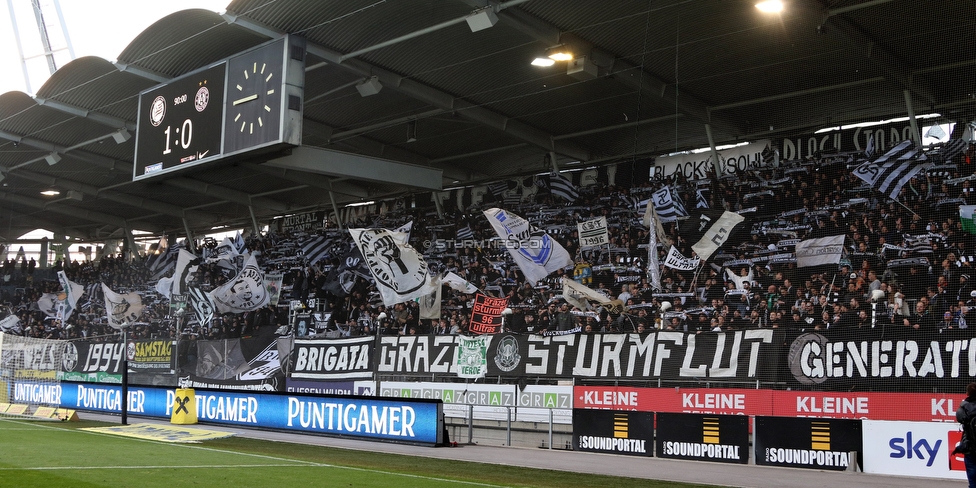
(885, 359)
(332, 359)
(748, 355)
(925, 407)
(718, 438)
(920, 449)
(807, 443)
(156, 356)
(613, 432)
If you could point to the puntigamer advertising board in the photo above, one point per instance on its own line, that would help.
(398, 420)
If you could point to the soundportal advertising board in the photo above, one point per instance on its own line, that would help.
(408, 421)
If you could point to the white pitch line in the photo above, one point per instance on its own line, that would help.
(210, 466)
(296, 462)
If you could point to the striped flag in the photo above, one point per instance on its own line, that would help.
(952, 149)
(870, 149)
(561, 187)
(668, 207)
(465, 232)
(498, 188)
(893, 169)
(316, 248)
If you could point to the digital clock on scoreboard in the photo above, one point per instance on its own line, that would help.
(180, 122)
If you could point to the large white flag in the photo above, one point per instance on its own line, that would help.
(121, 309)
(825, 250)
(72, 292)
(716, 235)
(579, 295)
(400, 272)
(535, 252)
(458, 283)
(244, 293)
(430, 305)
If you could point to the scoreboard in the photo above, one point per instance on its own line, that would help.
(245, 103)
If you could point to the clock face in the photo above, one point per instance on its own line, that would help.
(254, 94)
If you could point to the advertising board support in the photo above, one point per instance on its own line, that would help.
(125, 374)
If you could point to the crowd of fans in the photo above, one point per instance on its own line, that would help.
(744, 285)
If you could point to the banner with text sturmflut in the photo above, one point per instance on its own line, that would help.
(733, 356)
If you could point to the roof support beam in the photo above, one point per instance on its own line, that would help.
(107, 120)
(313, 179)
(132, 201)
(335, 163)
(430, 95)
(77, 212)
(181, 182)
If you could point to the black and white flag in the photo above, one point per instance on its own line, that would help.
(244, 293)
(201, 304)
(400, 272)
(464, 232)
(560, 187)
(893, 169)
(317, 247)
(700, 200)
(668, 207)
(121, 308)
(715, 231)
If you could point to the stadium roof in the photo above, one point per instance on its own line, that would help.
(655, 73)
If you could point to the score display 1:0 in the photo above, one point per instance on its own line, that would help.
(179, 123)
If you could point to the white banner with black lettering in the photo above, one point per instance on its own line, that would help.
(697, 165)
(332, 359)
(593, 233)
(824, 250)
(676, 260)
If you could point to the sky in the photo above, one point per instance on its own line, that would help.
(95, 27)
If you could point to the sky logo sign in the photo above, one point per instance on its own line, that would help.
(906, 447)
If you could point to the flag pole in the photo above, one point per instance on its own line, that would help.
(905, 207)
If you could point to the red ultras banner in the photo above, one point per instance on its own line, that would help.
(486, 315)
(924, 407)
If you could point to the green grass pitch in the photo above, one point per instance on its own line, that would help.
(60, 455)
